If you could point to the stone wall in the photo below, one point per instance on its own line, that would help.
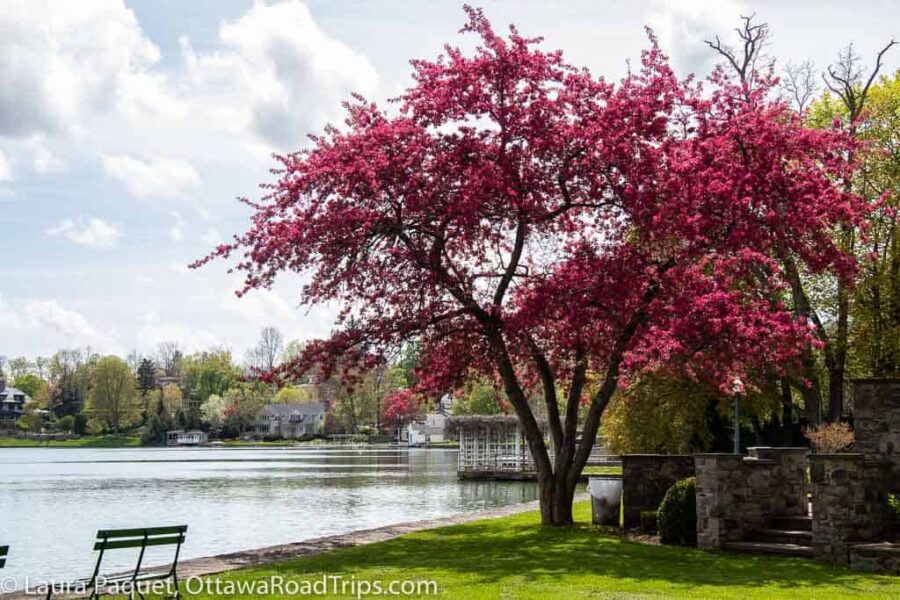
(723, 488)
(737, 495)
(646, 478)
(875, 558)
(849, 503)
(876, 422)
(788, 486)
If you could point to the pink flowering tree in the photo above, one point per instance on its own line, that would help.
(523, 219)
(401, 407)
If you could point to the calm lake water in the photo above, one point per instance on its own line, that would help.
(53, 500)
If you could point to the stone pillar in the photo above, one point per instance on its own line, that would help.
(849, 503)
(876, 422)
(788, 484)
(720, 488)
(645, 480)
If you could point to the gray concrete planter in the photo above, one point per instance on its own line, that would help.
(606, 498)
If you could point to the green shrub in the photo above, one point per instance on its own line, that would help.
(894, 506)
(66, 423)
(677, 515)
(649, 519)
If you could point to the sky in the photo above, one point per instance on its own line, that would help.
(129, 128)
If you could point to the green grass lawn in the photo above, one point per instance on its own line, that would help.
(88, 441)
(513, 557)
(602, 470)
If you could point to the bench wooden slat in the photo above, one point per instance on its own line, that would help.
(4, 550)
(138, 542)
(120, 533)
(2, 562)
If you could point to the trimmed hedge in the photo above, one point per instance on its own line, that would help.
(677, 515)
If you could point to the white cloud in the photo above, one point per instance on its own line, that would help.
(156, 176)
(5, 169)
(179, 268)
(154, 330)
(279, 75)
(46, 161)
(211, 237)
(63, 58)
(66, 324)
(86, 71)
(144, 280)
(684, 25)
(261, 306)
(55, 325)
(93, 232)
(176, 232)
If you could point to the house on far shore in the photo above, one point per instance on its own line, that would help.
(12, 403)
(290, 421)
(425, 430)
(430, 427)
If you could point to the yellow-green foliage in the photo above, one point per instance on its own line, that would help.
(656, 414)
(659, 414)
(875, 327)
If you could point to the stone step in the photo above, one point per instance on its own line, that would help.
(784, 536)
(792, 523)
(770, 548)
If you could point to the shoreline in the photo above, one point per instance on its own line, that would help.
(132, 442)
(259, 557)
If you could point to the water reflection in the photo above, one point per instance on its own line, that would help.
(52, 501)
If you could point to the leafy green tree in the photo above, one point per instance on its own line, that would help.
(207, 373)
(113, 399)
(479, 397)
(159, 422)
(875, 303)
(29, 383)
(19, 366)
(359, 400)
(829, 303)
(70, 373)
(244, 401)
(289, 394)
(172, 399)
(212, 411)
(146, 376)
(659, 414)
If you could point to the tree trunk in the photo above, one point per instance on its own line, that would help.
(787, 403)
(836, 393)
(836, 370)
(556, 499)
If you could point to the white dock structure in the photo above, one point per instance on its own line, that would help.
(494, 447)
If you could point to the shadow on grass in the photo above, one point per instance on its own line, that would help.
(490, 552)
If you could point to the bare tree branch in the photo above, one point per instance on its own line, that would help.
(746, 60)
(846, 80)
(800, 84)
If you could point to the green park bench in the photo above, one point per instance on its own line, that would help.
(117, 539)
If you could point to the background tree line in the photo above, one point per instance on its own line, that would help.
(80, 391)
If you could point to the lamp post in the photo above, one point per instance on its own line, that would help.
(737, 387)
